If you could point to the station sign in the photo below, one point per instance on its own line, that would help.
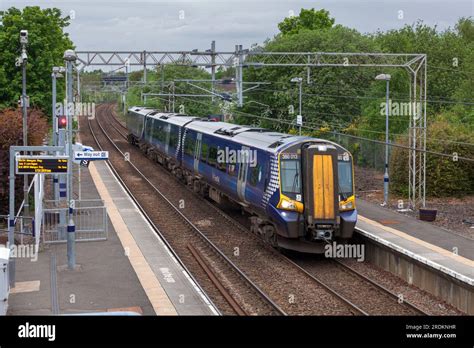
(299, 120)
(91, 155)
(41, 164)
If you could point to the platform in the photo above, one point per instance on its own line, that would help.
(132, 271)
(425, 242)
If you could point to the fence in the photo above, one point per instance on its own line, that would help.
(90, 219)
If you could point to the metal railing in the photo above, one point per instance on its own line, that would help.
(90, 219)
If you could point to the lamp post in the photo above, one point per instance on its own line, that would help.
(24, 104)
(57, 72)
(299, 117)
(386, 78)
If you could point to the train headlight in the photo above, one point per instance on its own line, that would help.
(348, 204)
(286, 204)
(289, 204)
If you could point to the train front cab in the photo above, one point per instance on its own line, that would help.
(316, 203)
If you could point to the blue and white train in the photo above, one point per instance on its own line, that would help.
(298, 190)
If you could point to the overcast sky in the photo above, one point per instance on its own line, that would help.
(185, 25)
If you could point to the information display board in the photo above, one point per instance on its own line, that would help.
(41, 164)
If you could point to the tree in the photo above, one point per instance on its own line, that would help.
(11, 134)
(47, 43)
(307, 19)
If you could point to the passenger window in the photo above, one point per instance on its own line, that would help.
(231, 169)
(221, 161)
(212, 155)
(173, 137)
(189, 145)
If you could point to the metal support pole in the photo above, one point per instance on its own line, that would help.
(144, 67)
(53, 104)
(126, 77)
(11, 218)
(300, 101)
(238, 75)
(414, 143)
(78, 87)
(26, 206)
(425, 77)
(173, 87)
(386, 177)
(213, 67)
(70, 57)
(162, 73)
(308, 71)
(55, 135)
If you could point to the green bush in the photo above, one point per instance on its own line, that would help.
(444, 175)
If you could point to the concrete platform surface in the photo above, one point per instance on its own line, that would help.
(441, 249)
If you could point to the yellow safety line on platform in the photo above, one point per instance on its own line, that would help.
(435, 248)
(153, 289)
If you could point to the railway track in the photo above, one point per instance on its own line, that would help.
(352, 306)
(201, 248)
(352, 284)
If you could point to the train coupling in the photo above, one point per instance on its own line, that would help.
(322, 232)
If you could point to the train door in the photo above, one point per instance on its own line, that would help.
(321, 185)
(197, 151)
(243, 171)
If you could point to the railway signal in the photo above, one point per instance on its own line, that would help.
(62, 122)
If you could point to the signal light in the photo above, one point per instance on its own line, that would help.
(62, 122)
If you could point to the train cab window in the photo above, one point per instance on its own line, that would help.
(345, 178)
(255, 175)
(290, 175)
(212, 156)
(204, 152)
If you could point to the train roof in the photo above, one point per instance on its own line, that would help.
(174, 118)
(260, 138)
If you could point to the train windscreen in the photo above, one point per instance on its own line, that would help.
(345, 178)
(290, 176)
